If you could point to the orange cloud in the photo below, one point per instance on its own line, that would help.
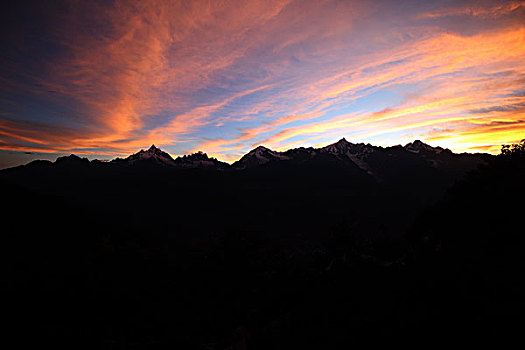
(451, 100)
(283, 73)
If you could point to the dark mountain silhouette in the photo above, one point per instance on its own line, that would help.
(259, 156)
(308, 248)
(153, 156)
(468, 248)
(359, 179)
(420, 147)
(364, 156)
(200, 160)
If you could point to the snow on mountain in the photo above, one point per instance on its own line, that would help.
(265, 154)
(356, 152)
(340, 147)
(199, 160)
(388, 165)
(417, 146)
(360, 154)
(152, 155)
(344, 147)
(259, 156)
(342, 150)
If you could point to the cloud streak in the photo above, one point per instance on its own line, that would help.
(223, 77)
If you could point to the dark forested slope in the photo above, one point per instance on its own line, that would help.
(304, 248)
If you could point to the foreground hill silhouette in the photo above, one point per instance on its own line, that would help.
(303, 189)
(472, 243)
(304, 248)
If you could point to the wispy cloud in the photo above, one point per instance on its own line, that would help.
(474, 9)
(223, 77)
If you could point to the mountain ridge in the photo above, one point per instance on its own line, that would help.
(367, 159)
(341, 146)
(302, 191)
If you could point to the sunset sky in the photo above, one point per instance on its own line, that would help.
(107, 78)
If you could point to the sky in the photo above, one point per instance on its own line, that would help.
(107, 78)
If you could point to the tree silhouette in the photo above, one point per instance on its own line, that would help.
(515, 149)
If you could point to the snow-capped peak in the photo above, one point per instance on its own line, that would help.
(199, 160)
(418, 146)
(260, 155)
(344, 147)
(341, 146)
(153, 149)
(153, 154)
(260, 151)
(265, 154)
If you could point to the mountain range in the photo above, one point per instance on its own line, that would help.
(369, 159)
(342, 182)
